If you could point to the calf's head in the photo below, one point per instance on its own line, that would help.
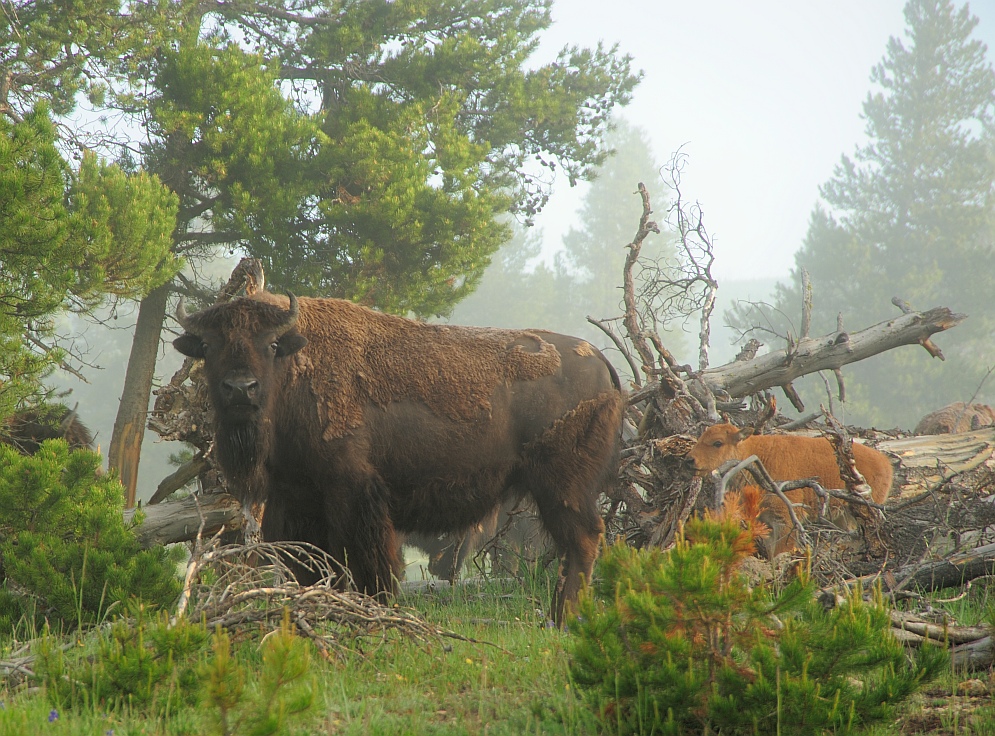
(243, 344)
(717, 445)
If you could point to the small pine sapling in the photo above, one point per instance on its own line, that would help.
(283, 686)
(146, 664)
(64, 543)
(677, 642)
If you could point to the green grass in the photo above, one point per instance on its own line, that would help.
(513, 680)
(973, 606)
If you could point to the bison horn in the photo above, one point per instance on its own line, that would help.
(291, 318)
(181, 314)
(68, 420)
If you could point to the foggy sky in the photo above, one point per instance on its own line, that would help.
(764, 95)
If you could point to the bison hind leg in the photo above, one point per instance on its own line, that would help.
(568, 467)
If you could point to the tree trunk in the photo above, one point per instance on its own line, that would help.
(180, 521)
(129, 426)
(829, 352)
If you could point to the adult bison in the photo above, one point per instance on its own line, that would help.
(956, 417)
(353, 425)
(28, 428)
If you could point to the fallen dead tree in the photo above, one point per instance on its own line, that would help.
(181, 521)
(828, 352)
(954, 570)
(671, 403)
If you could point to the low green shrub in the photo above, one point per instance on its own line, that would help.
(66, 554)
(154, 666)
(677, 642)
(142, 664)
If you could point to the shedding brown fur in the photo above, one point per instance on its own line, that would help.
(382, 358)
(956, 417)
(356, 427)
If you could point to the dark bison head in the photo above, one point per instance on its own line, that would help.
(243, 344)
(27, 429)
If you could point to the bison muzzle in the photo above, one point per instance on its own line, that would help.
(353, 426)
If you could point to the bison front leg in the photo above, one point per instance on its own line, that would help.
(372, 548)
(283, 521)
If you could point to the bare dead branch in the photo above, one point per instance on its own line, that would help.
(778, 367)
(793, 397)
(806, 305)
(631, 317)
(176, 480)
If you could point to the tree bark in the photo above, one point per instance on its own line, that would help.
(829, 352)
(125, 449)
(180, 521)
(974, 656)
(926, 460)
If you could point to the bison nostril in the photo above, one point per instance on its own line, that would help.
(240, 387)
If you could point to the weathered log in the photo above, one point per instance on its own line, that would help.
(955, 570)
(183, 475)
(808, 355)
(179, 521)
(938, 632)
(974, 656)
(925, 461)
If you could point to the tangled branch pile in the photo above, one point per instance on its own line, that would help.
(244, 587)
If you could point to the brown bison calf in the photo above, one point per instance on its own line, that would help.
(790, 457)
(353, 426)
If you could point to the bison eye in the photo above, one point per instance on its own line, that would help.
(717, 443)
(274, 346)
(203, 346)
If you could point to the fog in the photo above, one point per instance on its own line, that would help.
(763, 96)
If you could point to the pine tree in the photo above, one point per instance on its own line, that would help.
(68, 239)
(366, 152)
(64, 542)
(912, 214)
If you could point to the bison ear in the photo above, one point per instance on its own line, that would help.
(743, 434)
(289, 343)
(190, 345)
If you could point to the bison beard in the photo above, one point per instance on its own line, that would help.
(365, 425)
(237, 445)
(241, 450)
